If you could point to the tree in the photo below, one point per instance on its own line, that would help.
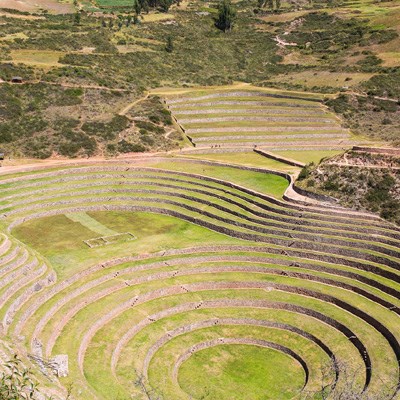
(164, 5)
(16, 382)
(169, 47)
(77, 18)
(149, 392)
(137, 7)
(226, 16)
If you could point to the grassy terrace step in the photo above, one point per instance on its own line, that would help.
(207, 187)
(126, 273)
(381, 282)
(176, 166)
(237, 205)
(235, 104)
(90, 332)
(239, 94)
(269, 138)
(244, 226)
(240, 112)
(267, 133)
(289, 124)
(147, 197)
(249, 120)
(145, 194)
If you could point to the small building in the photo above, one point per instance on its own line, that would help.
(2, 155)
(16, 79)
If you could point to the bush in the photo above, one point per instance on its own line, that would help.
(17, 383)
(127, 147)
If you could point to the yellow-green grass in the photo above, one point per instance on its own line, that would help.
(239, 371)
(163, 267)
(277, 141)
(141, 342)
(390, 59)
(90, 223)
(106, 338)
(259, 181)
(168, 266)
(132, 48)
(268, 132)
(156, 17)
(308, 156)
(265, 183)
(284, 107)
(323, 78)
(149, 200)
(190, 99)
(257, 124)
(12, 36)
(253, 90)
(280, 114)
(39, 58)
(285, 227)
(193, 373)
(68, 253)
(251, 159)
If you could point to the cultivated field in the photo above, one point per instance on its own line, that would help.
(245, 119)
(222, 291)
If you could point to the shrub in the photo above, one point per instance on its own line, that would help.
(127, 147)
(17, 383)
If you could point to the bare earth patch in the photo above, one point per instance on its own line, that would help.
(52, 6)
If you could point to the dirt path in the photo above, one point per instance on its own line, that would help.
(125, 110)
(348, 164)
(71, 85)
(293, 26)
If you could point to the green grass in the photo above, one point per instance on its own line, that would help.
(308, 156)
(265, 183)
(235, 372)
(250, 158)
(62, 241)
(90, 223)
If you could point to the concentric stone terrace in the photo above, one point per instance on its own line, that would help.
(239, 119)
(223, 290)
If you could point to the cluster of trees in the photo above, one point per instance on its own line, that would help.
(226, 16)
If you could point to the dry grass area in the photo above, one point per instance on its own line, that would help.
(19, 16)
(38, 58)
(53, 6)
(156, 17)
(284, 17)
(390, 59)
(131, 48)
(296, 57)
(12, 36)
(321, 78)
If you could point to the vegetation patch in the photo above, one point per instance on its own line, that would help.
(359, 180)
